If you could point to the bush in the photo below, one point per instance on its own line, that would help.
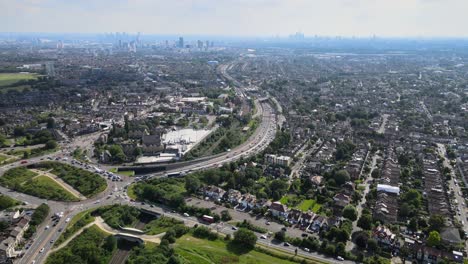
(204, 232)
(248, 225)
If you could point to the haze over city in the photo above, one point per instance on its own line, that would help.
(395, 18)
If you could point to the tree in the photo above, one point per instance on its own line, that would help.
(51, 144)
(280, 235)
(372, 245)
(245, 238)
(365, 222)
(350, 212)
(225, 216)
(111, 243)
(192, 183)
(341, 177)
(50, 122)
(436, 222)
(361, 239)
(434, 239)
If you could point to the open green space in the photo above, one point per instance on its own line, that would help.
(76, 223)
(87, 183)
(7, 79)
(7, 202)
(91, 246)
(201, 251)
(309, 204)
(23, 180)
(160, 225)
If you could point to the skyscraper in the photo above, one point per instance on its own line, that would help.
(181, 42)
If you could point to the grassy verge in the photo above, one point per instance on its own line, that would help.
(23, 180)
(7, 202)
(91, 246)
(309, 205)
(129, 173)
(31, 152)
(160, 225)
(76, 223)
(195, 250)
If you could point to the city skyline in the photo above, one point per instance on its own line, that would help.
(400, 18)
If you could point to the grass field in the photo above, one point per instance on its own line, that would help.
(309, 205)
(7, 79)
(2, 158)
(198, 251)
(24, 180)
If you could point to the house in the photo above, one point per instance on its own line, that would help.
(306, 219)
(137, 133)
(316, 180)
(151, 144)
(318, 223)
(8, 247)
(341, 200)
(279, 210)
(294, 216)
(348, 188)
(214, 192)
(233, 196)
(383, 235)
(249, 201)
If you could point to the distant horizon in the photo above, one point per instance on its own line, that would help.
(242, 18)
(290, 36)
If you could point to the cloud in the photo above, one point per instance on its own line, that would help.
(240, 17)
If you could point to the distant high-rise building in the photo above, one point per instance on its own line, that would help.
(200, 44)
(207, 44)
(181, 42)
(212, 44)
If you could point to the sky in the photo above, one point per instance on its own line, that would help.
(387, 18)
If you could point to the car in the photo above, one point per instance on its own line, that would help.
(234, 228)
(286, 244)
(52, 241)
(340, 258)
(186, 215)
(306, 249)
(304, 235)
(33, 262)
(60, 229)
(67, 220)
(284, 229)
(263, 237)
(42, 250)
(23, 162)
(47, 227)
(267, 223)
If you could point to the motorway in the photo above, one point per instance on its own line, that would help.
(115, 193)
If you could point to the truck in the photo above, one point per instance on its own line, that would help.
(208, 219)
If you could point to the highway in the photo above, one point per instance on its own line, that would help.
(48, 232)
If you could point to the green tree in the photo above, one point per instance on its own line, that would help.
(192, 183)
(341, 177)
(434, 239)
(436, 222)
(245, 238)
(365, 222)
(350, 212)
(372, 245)
(51, 144)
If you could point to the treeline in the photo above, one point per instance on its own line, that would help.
(117, 216)
(39, 215)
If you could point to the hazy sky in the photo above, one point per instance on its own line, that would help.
(240, 17)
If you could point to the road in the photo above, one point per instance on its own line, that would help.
(116, 191)
(460, 204)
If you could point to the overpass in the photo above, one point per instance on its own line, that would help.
(129, 237)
